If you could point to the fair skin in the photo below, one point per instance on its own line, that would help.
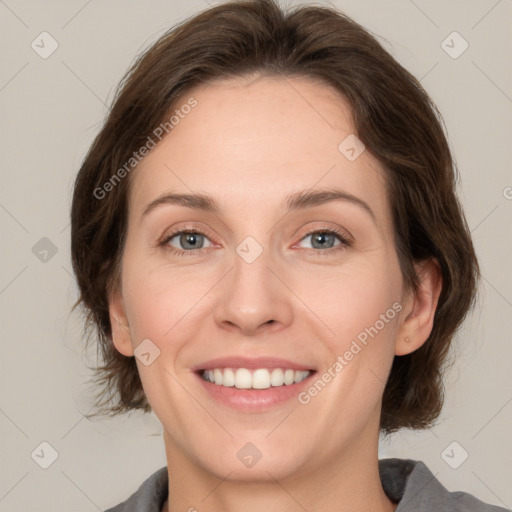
(248, 144)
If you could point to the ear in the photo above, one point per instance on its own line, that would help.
(119, 324)
(422, 304)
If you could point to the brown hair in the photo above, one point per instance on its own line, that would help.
(393, 116)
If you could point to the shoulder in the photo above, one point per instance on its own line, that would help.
(149, 497)
(411, 484)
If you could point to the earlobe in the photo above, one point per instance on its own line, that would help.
(417, 326)
(119, 324)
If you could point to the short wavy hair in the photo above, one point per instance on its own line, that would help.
(393, 116)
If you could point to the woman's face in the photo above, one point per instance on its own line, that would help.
(263, 286)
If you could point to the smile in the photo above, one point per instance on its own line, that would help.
(260, 378)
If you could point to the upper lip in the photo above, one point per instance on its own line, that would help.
(250, 363)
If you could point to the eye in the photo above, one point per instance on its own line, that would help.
(323, 240)
(189, 240)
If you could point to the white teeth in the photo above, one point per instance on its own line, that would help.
(243, 379)
(277, 377)
(228, 378)
(262, 378)
(289, 377)
(217, 376)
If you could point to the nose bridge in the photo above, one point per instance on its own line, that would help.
(251, 264)
(253, 296)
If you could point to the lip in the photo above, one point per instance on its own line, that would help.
(251, 363)
(253, 400)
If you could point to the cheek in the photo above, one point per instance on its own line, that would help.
(351, 299)
(362, 319)
(161, 300)
(359, 325)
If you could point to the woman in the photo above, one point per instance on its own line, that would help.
(267, 239)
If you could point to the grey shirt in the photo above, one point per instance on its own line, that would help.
(407, 482)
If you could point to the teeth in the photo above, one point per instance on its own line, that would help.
(242, 378)
(277, 377)
(217, 376)
(228, 378)
(289, 377)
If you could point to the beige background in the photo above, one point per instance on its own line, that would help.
(51, 109)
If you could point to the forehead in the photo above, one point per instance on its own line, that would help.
(252, 141)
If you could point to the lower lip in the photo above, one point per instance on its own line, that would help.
(254, 400)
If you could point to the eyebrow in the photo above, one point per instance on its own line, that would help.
(296, 201)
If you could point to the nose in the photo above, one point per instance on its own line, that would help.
(253, 298)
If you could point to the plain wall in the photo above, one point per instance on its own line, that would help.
(52, 108)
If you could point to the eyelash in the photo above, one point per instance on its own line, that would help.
(345, 243)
